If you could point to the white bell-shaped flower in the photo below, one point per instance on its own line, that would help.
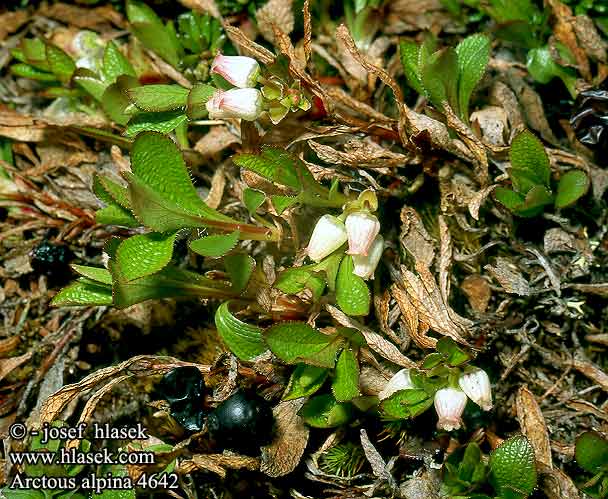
(244, 103)
(242, 72)
(328, 235)
(365, 266)
(362, 228)
(477, 387)
(400, 381)
(450, 404)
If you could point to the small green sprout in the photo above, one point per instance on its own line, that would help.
(591, 454)
(531, 180)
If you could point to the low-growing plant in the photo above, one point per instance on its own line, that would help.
(446, 77)
(530, 175)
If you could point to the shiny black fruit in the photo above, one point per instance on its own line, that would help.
(51, 259)
(590, 120)
(242, 422)
(183, 388)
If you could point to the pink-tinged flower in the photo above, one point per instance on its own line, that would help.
(328, 235)
(476, 385)
(244, 103)
(400, 381)
(449, 404)
(365, 266)
(362, 228)
(240, 71)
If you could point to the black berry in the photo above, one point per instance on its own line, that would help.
(51, 259)
(183, 388)
(590, 120)
(242, 422)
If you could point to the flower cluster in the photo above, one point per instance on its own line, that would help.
(361, 230)
(450, 401)
(244, 101)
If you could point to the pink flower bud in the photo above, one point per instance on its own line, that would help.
(400, 381)
(476, 385)
(365, 266)
(328, 235)
(362, 228)
(449, 404)
(244, 103)
(240, 71)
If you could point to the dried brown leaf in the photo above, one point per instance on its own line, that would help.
(215, 141)
(478, 292)
(82, 17)
(359, 154)
(11, 22)
(589, 38)
(284, 453)
(416, 329)
(343, 35)
(220, 463)
(375, 341)
(307, 30)
(275, 13)
(533, 425)
(556, 484)
(509, 277)
(141, 365)
(414, 237)
(9, 364)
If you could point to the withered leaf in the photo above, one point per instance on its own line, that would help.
(533, 425)
(284, 453)
(509, 277)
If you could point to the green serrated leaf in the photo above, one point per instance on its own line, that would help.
(97, 274)
(159, 97)
(90, 82)
(83, 292)
(158, 163)
(160, 41)
(109, 191)
(537, 198)
(253, 199)
(543, 68)
(163, 122)
(281, 203)
(440, 78)
(406, 404)
(292, 281)
(345, 385)
(60, 63)
(114, 214)
(529, 163)
(591, 452)
(276, 165)
(409, 52)
(34, 53)
(31, 72)
(305, 380)
(244, 340)
(572, 186)
(215, 246)
(473, 57)
(451, 352)
(115, 64)
(294, 342)
(323, 411)
(151, 31)
(197, 100)
(352, 293)
(513, 467)
(509, 198)
(144, 254)
(239, 267)
(115, 101)
(170, 282)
